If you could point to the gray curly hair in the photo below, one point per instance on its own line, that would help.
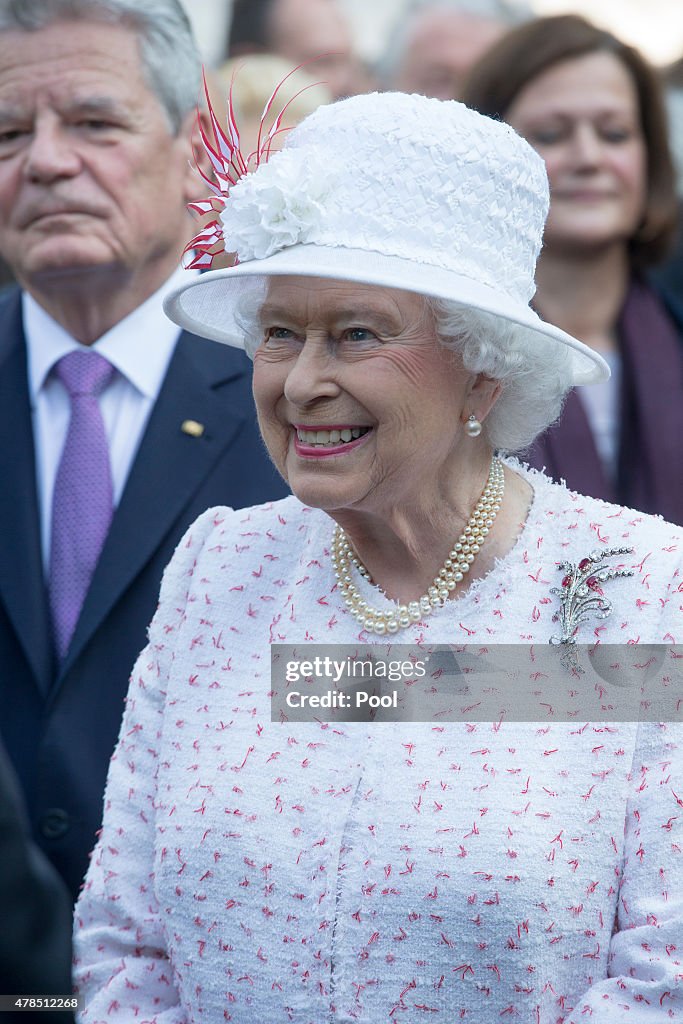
(535, 377)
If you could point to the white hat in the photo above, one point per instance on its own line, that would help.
(390, 190)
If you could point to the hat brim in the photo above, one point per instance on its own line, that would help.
(208, 304)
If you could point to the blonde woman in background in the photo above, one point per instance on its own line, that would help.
(253, 80)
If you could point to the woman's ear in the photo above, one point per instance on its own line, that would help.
(482, 396)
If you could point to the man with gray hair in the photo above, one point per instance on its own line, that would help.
(118, 430)
(436, 42)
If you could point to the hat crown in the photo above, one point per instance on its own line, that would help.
(421, 179)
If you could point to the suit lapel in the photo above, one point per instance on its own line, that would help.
(22, 586)
(169, 468)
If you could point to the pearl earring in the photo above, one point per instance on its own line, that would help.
(473, 426)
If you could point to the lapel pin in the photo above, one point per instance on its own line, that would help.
(192, 428)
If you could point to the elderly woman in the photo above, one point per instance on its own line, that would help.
(252, 871)
(592, 107)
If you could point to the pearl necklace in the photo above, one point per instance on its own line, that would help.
(453, 571)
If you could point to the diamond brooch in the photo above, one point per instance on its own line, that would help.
(581, 592)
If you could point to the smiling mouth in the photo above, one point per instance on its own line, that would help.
(335, 437)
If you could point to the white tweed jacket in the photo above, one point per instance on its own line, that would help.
(250, 871)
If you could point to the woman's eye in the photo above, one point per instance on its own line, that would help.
(616, 134)
(360, 334)
(278, 334)
(280, 341)
(545, 136)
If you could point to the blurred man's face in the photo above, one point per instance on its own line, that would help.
(303, 30)
(442, 48)
(91, 177)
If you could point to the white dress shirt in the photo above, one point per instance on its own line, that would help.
(601, 405)
(140, 348)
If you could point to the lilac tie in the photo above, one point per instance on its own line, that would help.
(82, 503)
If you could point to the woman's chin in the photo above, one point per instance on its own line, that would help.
(324, 485)
(317, 494)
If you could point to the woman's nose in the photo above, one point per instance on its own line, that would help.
(587, 145)
(313, 375)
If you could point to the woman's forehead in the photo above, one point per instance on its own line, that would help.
(597, 83)
(326, 296)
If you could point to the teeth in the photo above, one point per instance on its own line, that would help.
(328, 437)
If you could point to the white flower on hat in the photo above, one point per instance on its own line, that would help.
(275, 207)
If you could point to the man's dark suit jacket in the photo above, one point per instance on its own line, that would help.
(60, 724)
(35, 911)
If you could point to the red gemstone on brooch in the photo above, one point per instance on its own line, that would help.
(593, 583)
(566, 581)
(584, 563)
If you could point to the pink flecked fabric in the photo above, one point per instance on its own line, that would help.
(257, 872)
